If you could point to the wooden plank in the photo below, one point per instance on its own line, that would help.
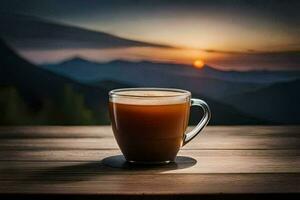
(196, 162)
(163, 184)
(200, 142)
(106, 131)
(55, 132)
(57, 138)
(223, 160)
(59, 144)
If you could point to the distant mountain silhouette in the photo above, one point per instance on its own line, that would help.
(223, 114)
(246, 97)
(111, 85)
(279, 103)
(84, 70)
(151, 74)
(254, 76)
(23, 31)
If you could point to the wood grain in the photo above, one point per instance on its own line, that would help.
(159, 184)
(208, 161)
(224, 137)
(224, 160)
(106, 131)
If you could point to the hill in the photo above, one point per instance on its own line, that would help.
(83, 70)
(37, 85)
(240, 95)
(152, 75)
(278, 103)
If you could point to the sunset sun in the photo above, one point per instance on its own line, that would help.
(198, 64)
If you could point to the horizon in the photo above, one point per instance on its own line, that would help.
(75, 57)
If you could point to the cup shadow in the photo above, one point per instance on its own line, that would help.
(119, 162)
(112, 164)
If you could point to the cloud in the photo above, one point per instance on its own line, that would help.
(257, 60)
(254, 52)
(27, 32)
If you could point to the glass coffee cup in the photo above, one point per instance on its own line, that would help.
(149, 124)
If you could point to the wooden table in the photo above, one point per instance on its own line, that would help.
(226, 162)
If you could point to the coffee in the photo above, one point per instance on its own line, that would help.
(150, 129)
(149, 124)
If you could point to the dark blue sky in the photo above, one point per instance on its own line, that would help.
(283, 10)
(287, 11)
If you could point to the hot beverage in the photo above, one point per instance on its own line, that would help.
(149, 124)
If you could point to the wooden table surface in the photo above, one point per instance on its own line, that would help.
(223, 162)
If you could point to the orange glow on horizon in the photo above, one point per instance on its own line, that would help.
(198, 64)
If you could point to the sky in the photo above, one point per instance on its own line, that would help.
(231, 34)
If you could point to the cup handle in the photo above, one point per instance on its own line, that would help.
(203, 122)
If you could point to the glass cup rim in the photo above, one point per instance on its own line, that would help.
(115, 92)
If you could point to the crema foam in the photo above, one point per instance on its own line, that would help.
(148, 97)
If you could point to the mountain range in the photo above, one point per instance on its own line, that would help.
(149, 74)
(273, 101)
(36, 84)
